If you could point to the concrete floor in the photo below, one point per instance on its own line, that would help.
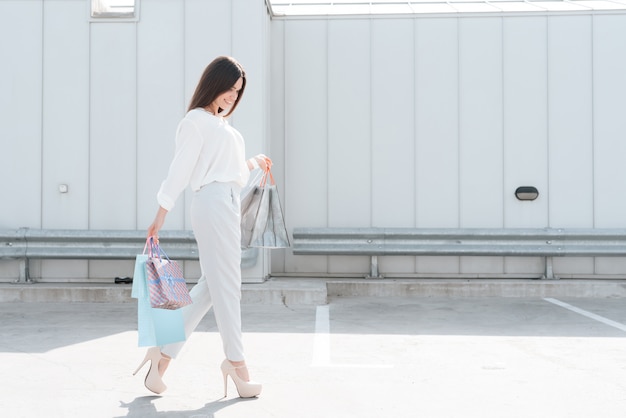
(355, 357)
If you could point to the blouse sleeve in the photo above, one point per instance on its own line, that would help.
(188, 146)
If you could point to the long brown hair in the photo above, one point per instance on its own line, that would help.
(218, 77)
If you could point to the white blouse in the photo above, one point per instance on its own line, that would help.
(208, 149)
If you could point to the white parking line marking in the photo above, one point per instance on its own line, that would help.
(588, 314)
(360, 366)
(321, 343)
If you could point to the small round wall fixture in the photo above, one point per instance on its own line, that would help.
(526, 193)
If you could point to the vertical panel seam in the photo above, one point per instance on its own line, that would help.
(184, 48)
(593, 129)
(415, 140)
(548, 172)
(503, 140)
(502, 121)
(327, 23)
(284, 101)
(89, 137)
(89, 123)
(284, 106)
(371, 123)
(458, 121)
(184, 202)
(136, 24)
(41, 126)
(593, 136)
(458, 131)
(232, 27)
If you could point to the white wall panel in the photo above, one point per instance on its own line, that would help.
(20, 113)
(525, 120)
(525, 128)
(66, 115)
(480, 124)
(609, 121)
(305, 131)
(349, 131)
(437, 132)
(437, 122)
(113, 146)
(208, 26)
(248, 40)
(160, 103)
(570, 133)
(392, 123)
(480, 119)
(275, 103)
(160, 106)
(393, 136)
(349, 123)
(65, 126)
(570, 122)
(609, 130)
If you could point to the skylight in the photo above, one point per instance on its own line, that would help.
(323, 8)
(113, 9)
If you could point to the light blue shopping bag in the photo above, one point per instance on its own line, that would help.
(155, 326)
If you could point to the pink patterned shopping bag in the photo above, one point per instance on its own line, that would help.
(166, 285)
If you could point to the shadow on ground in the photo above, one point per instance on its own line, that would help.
(143, 407)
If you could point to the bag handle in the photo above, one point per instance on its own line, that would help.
(148, 241)
(154, 249)
(266, 174)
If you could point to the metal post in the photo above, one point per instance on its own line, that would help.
(374, 274)
(24, 272)
(549, 273)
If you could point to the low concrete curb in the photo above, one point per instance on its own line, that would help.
(317, 291)
(462, 288)
(286, 292)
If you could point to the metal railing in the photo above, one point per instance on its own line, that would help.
(542, 242)
(27, 244)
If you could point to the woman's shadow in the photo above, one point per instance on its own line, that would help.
(143, 407)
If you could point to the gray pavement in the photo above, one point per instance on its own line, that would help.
(359, 356)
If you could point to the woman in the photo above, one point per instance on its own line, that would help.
(210, 158)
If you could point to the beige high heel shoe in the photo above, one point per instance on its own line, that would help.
(245, 389)
(153, 381)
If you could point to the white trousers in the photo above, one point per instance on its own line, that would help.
(215, 219)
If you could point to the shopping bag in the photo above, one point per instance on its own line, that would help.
(249, 208)
(255, 179)
(166, 284)
(262, 220)
(155, 327)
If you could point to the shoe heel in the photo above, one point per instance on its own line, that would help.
(244, 389)
(225, 374)
(145, 360)
(153, 381)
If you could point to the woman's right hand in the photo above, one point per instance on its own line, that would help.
(157, 224)
(265, 162)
